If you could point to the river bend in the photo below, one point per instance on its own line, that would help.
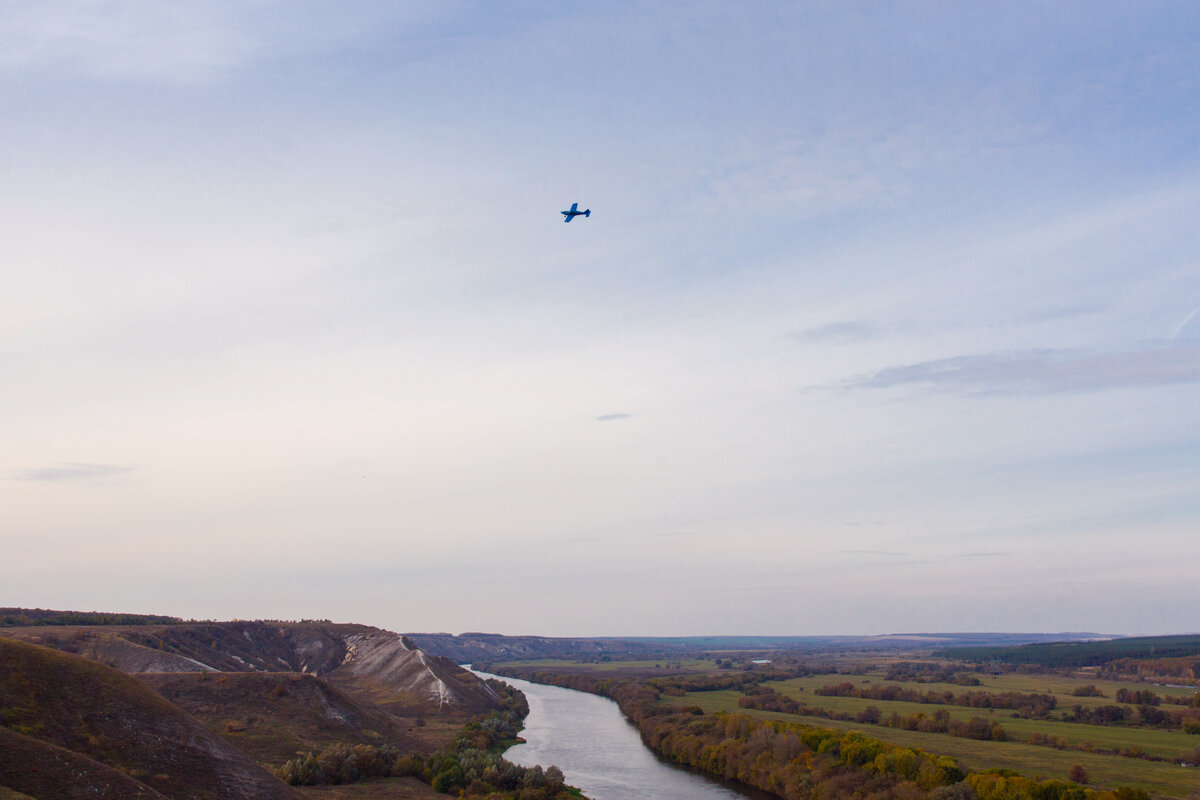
(588, 738)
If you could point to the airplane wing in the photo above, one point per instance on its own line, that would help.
(574, 208)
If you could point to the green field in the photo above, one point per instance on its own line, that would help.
(1076, 740)
(1032, 760)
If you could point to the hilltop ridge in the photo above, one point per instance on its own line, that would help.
(387, 667)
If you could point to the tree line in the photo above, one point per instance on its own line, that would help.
(1027, 705)
(21, 617)
(767, 699)
(1081, 654)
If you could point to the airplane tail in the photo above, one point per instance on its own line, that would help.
(587, 213)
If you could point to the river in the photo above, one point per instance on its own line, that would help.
(588, 738)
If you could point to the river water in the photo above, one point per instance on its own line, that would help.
(588, 738)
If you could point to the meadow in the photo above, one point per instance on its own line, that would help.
(1076, 743)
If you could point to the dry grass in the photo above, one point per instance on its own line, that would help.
(382, 789)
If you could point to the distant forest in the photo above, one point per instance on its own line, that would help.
(1081, 654)
(19, 617)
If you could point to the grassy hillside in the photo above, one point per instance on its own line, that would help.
(11, 794)
(43, 771)
(272, 716)
(110, 718)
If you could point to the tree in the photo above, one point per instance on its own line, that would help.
(1078, 775)
(955, 791)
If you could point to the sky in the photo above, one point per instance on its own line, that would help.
(886, 317)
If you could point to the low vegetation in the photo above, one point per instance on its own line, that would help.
(471, 766)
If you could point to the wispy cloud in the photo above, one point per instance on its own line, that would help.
(838, 333)
(1055, 313)
(612, 417)
(921, 558)
(71, 472)
(1189, 328)
(1044, 371)
(181, 42)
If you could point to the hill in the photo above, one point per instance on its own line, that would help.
(1083, 654)
(272, 716)
(384, 668)
(468, 648)
(70, 724)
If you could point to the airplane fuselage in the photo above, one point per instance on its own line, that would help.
(575, 212)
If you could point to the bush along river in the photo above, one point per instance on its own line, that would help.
(589, 739)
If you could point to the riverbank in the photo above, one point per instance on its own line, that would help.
(798, 761)
(603, 754)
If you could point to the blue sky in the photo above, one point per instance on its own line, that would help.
(885, 319)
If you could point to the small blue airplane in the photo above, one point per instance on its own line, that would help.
(575, 212)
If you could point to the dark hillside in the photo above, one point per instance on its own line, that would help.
(40, 769)
(1081, 654)
(470, 648)
(104, 715)
(271, 717)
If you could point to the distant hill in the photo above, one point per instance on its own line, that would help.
(468, 648)
(74, 728)
(1083, 654)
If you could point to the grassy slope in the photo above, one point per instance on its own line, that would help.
(385, 789)
(42, 770)
(12, 794)
(95, 711)
(272, 716)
